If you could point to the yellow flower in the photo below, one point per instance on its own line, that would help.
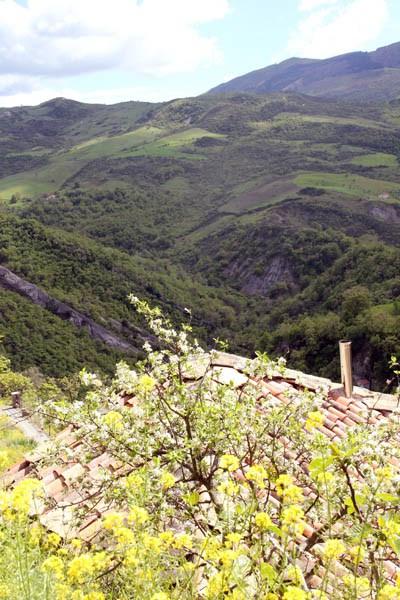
(113, 520)
(388, 592)
(5, 591)
(53, 540)
(232, 539)
(228, 487)
(35, 535)
(361, 584)
(211, 547)
(282, 482)
(390, 528)
(152, 543)
(124, 535)
(94, 596)
(385, 473)
(263, 520)
(138, 515)
(146, 383)
(228, 556)
(294, 574)
(53, 565)
(257, 474)
(229, 462)
(114, 421)
(3, 461)
(294, 593)
(100, 560)
(333, 549)
(292, 518)
(167, 480)
(76, 543)
(80, 568)
(167, 537)
(236, 594)
(133, 482)
(315, 419)
(62, 591)
(131, 557)
(160, 596)
(216, 586)
(23, 495)
(292, 515)
(292, 494)
(184, 540)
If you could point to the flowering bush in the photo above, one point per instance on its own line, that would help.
(220, 484)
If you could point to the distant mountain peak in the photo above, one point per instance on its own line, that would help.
(60, 101)
(371, 76)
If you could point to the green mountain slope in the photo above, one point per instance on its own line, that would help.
(245, 208)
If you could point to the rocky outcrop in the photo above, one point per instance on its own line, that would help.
(389, 213)
(259, 283)
(13, 282)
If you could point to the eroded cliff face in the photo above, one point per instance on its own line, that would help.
(13, 282)
(276, 271)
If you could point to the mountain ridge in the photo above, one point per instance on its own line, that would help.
(352, 76)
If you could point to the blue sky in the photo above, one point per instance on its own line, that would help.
(115, 50)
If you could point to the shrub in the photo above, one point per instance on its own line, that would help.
(219, 485)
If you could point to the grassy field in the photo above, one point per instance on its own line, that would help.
(345, 183)
(376, 159)
(144, 141)
(265, 195)
(103, 146)
(171, 145)
(13, 442)
(287, 118)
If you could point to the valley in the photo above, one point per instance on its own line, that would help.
(275, 218)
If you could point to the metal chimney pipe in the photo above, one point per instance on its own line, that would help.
(345, 367)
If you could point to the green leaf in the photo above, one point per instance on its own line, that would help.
(268, 573)
(384, 497)
(320, 465)
(192, 499)
(395, 544)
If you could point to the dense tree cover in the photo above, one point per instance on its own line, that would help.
(96, 281)
(329, 282)
(33, 337)
(319, 284)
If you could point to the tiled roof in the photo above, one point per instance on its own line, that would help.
(73, 482)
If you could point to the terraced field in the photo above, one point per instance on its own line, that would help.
(345, 183)
(144, 141)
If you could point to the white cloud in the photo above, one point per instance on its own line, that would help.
(57, 38)
(329, 30)
(34, 94)
(306, 5)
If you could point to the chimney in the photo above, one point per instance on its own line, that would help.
(16, 399)
(345, 367)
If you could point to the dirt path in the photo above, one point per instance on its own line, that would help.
(24, 424)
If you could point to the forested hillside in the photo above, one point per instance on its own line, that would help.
(274, 218)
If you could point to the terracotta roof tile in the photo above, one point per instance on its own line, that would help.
(62, 479)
